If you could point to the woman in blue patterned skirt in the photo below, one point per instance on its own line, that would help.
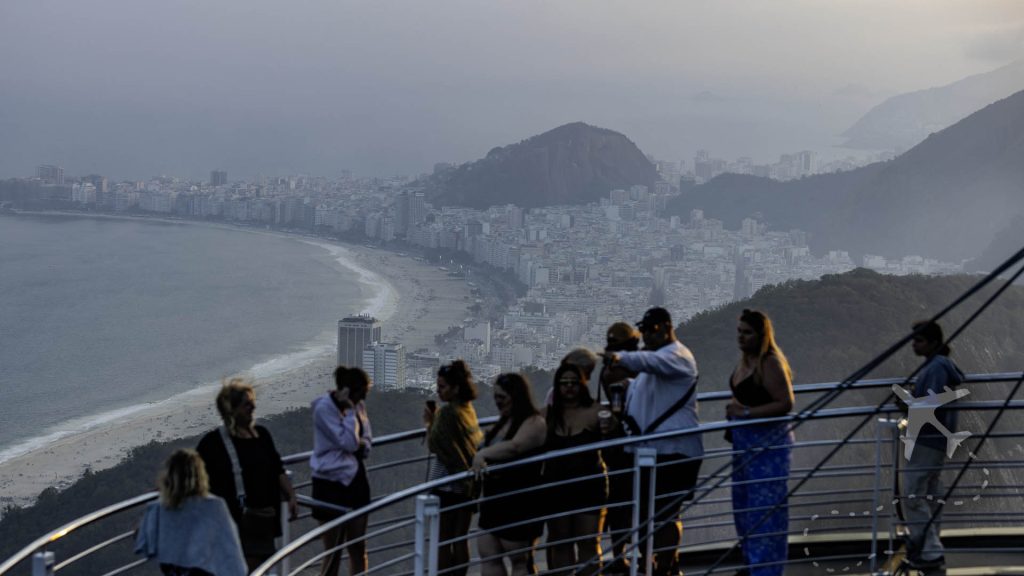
(761, 387)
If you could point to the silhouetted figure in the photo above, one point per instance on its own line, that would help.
(922, 475)
(761, 387)
(621, 337)
(519, 433)
(572, 420)
(254, 494)
(663, 397)
(453, 435)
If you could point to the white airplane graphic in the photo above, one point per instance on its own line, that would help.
(922, 411)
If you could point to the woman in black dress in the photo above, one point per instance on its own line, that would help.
(575, 535)
(506, 520)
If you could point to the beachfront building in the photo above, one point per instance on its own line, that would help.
(385, 363)
(355, 333)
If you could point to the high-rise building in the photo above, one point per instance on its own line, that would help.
(385, 363)
(218, 178)
(355, 333)
(417, 208)
(50, 174)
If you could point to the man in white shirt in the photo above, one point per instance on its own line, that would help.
(662, 398)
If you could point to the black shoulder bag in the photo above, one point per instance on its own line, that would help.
(633, 429)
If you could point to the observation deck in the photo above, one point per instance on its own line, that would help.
(843, 517)
(843, 500)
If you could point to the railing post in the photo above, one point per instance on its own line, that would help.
(286, 530)
(644, 458)
(433, 514)
(876, 497)
(428, 529)
(43, 563)
(894, 431)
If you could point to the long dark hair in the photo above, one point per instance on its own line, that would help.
(518, 389)
(932, 332)
(556, 412)
(457, 374)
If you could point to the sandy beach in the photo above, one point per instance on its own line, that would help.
(414, 300)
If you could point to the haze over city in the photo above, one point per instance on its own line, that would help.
(137, 89)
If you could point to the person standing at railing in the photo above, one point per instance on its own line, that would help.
(574, 536)
(507, 522)
(662, 398)
(761, 387)
(342, 438)
(453, 435)
(189, 531)
(246, 471)
(621, 337)
(921, 477)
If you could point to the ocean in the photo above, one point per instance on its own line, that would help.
(101, 316)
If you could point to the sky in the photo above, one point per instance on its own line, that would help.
(138, 88)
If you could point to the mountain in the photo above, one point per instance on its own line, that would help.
(904, 120)
(572, 164)
(944, 198)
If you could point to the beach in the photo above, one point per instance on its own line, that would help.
(413, 299)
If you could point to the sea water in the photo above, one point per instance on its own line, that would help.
(100, 317)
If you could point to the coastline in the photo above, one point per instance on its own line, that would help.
(427, 303)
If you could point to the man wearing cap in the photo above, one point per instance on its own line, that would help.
(663, 398)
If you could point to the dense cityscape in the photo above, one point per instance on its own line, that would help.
(581, 268)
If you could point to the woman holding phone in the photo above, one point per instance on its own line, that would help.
(452, 437)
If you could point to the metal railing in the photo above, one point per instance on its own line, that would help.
(403, 533)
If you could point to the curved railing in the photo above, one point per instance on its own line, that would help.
(402, 536)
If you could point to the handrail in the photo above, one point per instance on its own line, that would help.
(867, 384)
(396, 438)
(74, 525)
(629, 440)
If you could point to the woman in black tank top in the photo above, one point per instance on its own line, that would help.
(761, 388)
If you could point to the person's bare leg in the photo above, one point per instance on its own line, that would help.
(668, 536)
(588, 528)
(460, 550)
(560, 556)
(331, 563)
(357, 562)
(521, 554)
(491, 555)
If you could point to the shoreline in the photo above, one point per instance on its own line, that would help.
(427, 304)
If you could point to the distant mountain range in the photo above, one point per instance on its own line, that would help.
(945, 198)
(572, 164)
(904, 120)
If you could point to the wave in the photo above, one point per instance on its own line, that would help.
(276, 366)
(382, 304)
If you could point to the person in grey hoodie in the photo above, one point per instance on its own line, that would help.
(342, 438)
(189, 531)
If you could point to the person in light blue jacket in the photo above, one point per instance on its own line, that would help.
(662, 398)
(189, 531)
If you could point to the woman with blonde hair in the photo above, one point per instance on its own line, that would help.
(761, 387)
(246, 470)
(189, 531)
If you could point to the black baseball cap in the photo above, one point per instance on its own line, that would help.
(654, 316)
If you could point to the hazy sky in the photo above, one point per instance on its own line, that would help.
(135, 88)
